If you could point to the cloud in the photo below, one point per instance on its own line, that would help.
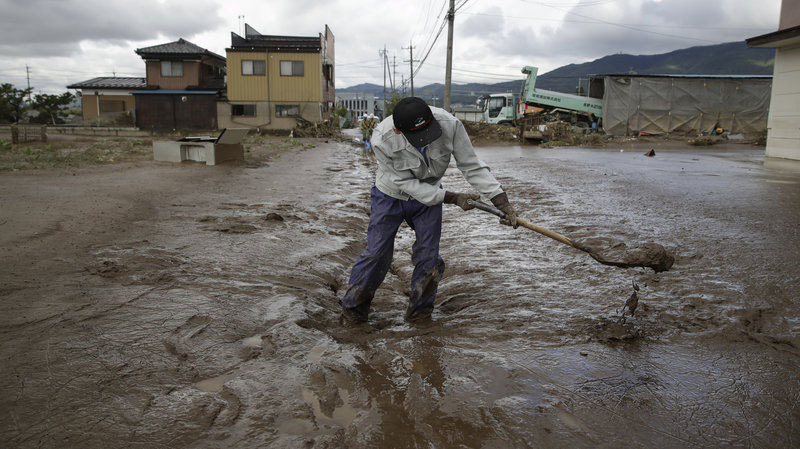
(70, 40)
(55, 28)
(590, 30)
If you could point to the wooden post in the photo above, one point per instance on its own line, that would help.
(44, 133)
(14, 134)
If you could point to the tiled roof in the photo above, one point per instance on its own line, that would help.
(179, 47)
(110, 82)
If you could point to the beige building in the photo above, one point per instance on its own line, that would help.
(105, 99)
(783, 128)
(274, 79)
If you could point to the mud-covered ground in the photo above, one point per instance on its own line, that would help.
(156, 305)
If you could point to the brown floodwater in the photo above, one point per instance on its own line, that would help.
(215, 324)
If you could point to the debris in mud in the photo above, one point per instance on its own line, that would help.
(272, 216)
(632, 302)
(704, 141)
(305, 128)
(481, 131)
(106, 268)
(651, 153)
(238, 228)
(233, 225)
(614, 331)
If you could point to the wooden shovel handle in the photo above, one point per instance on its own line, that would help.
(525, 223)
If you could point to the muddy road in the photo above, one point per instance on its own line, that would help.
(149, 305)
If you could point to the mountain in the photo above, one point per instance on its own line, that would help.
(732, 58)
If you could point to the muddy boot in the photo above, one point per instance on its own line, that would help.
(352, 318)
(423, 293)
(419, 317)
(355, 305)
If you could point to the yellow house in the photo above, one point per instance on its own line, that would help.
(272, 80)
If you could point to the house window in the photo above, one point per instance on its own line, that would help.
(250, 67)
(291, 68)
(171, 68)
(243, 110)
(284, 110)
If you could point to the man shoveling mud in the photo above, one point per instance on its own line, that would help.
(413, 148)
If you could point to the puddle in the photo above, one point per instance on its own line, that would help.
(214, 384)
(316, 352)
(295, 426)
(779, 181)
(341, 416)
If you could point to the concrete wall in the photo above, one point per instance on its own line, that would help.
(265, 115)
(783, 135)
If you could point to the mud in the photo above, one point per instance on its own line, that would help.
(618, 254)
(131, 318)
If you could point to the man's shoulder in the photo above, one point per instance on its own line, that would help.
(384, 135)
(443, 116)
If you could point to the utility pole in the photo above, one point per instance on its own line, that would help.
(451, 15)
(403, 84)
(394, 73)
(383, 53)
(411, 62)
(28, 74)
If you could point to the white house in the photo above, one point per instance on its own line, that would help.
(783, 126)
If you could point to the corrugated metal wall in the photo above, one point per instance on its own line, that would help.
(296, 88)
(245, 88)
(304, 88)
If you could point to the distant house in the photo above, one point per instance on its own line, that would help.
(783, 135)
(357, 102)
(184, 82)
(272, 80)
(104, 99)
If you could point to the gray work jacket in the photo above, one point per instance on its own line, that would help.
(403, 172)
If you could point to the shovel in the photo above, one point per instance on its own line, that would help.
(650, 255)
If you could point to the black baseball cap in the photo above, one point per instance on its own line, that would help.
(413, 117)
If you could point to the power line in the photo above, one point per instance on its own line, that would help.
(501, 75)
(619, 24)
(439, 33)
(555, 20)
(428, 43)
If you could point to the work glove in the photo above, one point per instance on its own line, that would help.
(461, 199)
(500, 201)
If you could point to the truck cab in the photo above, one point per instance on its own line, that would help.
(500, 109)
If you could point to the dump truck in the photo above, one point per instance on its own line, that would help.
(535, 104)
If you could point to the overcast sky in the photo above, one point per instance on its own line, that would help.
(66, 41)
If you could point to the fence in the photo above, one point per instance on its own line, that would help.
(28, 133)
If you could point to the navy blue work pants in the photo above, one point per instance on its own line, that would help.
(372, 265)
